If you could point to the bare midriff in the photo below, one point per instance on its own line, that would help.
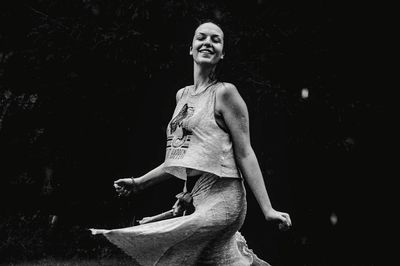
(193, 172)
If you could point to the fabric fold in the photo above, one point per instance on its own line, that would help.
(209, 235)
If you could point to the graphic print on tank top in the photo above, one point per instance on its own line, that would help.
(178, 138)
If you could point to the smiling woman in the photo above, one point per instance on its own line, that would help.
(208, 146)
(208, 47)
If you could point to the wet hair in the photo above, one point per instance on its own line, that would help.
(214, 75)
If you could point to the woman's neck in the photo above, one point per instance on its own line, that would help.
(201, 76)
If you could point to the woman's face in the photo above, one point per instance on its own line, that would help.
(208, 43)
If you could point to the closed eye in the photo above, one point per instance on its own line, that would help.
(215, 37)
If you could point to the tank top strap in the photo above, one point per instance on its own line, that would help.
(185, 92)
(211, 95)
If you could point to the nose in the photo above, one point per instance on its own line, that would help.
(207, 41)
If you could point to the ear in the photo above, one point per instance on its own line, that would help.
(222, 55)
(191, 50)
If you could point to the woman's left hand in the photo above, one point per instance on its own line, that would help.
(126, 186)
(282, 218)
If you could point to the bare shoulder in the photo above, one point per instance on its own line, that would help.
(227, 92)
(228, 99)
(226, 89)
(179, 93)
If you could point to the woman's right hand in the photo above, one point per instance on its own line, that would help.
(126, 186)
(283, 219)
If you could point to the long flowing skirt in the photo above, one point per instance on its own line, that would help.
(208, 236)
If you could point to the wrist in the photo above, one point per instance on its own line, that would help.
(267, 211)
(137, 183)
(134, 185)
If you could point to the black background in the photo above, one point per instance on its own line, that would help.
(88, 87)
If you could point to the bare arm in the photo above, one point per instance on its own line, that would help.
(153, 177)
(233, 109)
(124, 186)
(158, 174)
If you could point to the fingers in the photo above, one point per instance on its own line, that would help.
(122, 182)
(289, 221)
(286, 218)
(119, 181)
(144, 220)
(286, 222)
(124, 193)
(283, 227)
(122, 187)
(122, 190)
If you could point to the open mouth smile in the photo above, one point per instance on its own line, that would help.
(206, 51)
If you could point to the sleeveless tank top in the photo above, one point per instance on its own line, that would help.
(195, 140)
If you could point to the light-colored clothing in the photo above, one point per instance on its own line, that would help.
(209, 236)
(195, 140)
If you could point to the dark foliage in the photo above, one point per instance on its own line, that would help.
(87, 88)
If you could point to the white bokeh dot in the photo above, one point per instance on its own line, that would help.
(333, 218)
(304, 93)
